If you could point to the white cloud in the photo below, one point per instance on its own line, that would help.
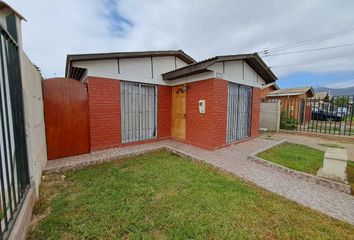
(341, 84)
(201, 28)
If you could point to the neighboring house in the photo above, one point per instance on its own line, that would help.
(294, 101)
(138, 97)
(22, 137)
(322, 96)
(321, 100)
(267, 88)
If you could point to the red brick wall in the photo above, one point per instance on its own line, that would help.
(104, 112)
(207, 130)
(256, 95)
(164, 112)
(203, 130)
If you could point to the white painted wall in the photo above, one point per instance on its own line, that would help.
(140, 67)
(238, 72)
(133, 69)
(140, 70)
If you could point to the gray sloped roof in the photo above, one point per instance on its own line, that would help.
(291, 92)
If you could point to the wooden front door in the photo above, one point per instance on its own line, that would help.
(178, 113)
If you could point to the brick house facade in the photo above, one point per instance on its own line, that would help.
(201, 81)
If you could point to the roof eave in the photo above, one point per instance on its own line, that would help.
(3, 4)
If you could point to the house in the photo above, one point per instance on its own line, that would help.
(322, 96)
(267, 88)
(139, 97)
(294, 101)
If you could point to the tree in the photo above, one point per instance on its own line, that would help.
(342, 101)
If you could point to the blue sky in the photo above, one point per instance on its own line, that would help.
(332, 80)
(218, 27)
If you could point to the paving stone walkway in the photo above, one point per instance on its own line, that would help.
(234, 159)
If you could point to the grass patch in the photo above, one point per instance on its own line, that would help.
(163, 196)
(350, 171)
(295, 156)
(331, 145)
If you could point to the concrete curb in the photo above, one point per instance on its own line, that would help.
(84, 164)
(23, 220)
(340, 138)
(341, 187)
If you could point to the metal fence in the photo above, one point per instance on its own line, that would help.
(333, 115)
(14, 174)
(238, 112)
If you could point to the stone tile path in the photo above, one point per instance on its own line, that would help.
(234, 160)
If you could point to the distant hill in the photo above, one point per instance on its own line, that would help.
(337, 91)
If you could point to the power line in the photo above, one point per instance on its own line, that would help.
(312, 62)
(305, 42)
(310, 50)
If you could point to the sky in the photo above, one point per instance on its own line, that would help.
(308, 43)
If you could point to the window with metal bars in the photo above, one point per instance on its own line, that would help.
(138, 111)
(239, 109)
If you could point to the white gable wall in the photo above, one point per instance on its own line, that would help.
(150, 70)
(238, 72)
(147, 69)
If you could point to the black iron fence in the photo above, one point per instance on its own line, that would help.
(14, 174)
(331, 115)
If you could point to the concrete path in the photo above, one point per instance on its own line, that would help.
(234, 160)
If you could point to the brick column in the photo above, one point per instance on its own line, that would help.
(255, 124)
(164, 111)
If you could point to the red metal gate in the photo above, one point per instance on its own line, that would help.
(66, 117)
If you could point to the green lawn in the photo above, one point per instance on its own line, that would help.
(295, 156)
(350, 171)
(163, 196)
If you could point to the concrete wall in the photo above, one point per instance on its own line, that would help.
(33, 106)
(35, 130)
(270, 115)
(34, 117)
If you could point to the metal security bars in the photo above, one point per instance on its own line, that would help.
(14, 174)
(330, 115)
(138, 111)
(238, 112)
